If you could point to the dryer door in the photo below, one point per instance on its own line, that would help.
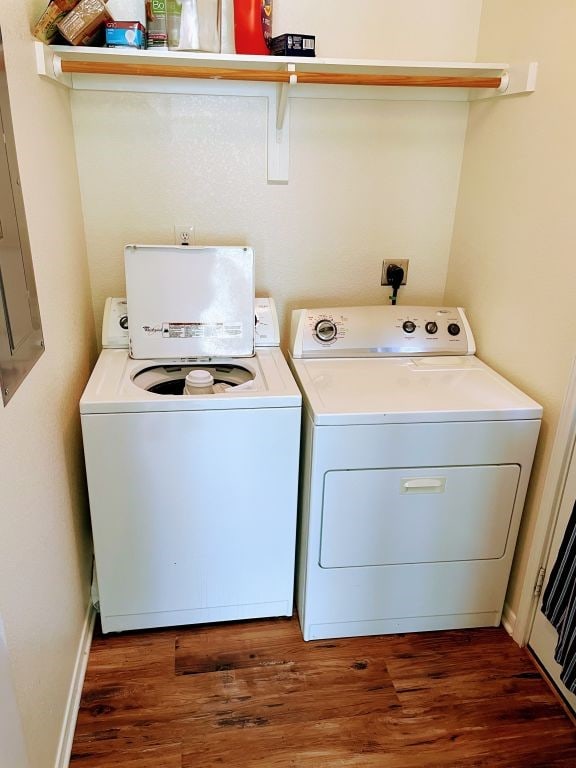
(417, 515)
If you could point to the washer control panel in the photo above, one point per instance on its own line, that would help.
(115, 324)
(266, 329)
(386, 331)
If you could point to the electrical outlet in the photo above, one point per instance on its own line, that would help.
(399, 263)
(183, 234)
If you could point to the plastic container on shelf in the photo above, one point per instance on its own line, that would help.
(193, 25)
(253, 26)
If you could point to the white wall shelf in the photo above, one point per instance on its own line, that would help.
(279, 79)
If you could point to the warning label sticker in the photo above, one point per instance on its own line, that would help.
(201, 330)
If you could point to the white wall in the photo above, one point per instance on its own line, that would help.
(513, 256)
(44, 543)
(368, 179)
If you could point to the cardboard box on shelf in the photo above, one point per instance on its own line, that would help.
(125, 34)
(293, 45)
(46, 29)
(83, 23)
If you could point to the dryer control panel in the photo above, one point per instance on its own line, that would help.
(381, 331)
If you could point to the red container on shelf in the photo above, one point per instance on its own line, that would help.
(252, 26)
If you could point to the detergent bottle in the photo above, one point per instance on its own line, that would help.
(252, 26)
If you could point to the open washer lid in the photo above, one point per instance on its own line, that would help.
(190, 302)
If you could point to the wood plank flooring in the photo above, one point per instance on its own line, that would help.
(254, 695)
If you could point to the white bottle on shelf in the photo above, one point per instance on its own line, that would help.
(227, 44)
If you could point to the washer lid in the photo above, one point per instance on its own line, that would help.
(190, 302)
(402, 390)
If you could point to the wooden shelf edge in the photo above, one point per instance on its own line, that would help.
(271, 63)
(59, 62)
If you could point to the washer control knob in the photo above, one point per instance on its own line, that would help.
(453, 329)
(431, 327)
(408, 326)
(325, 330)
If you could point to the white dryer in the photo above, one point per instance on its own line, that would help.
(415, 462)
(193, 498)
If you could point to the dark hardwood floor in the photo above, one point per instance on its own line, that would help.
(254, 695)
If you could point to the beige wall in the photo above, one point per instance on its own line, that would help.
(513, 262)
(44, 546)
(368, 179)
(384, 29)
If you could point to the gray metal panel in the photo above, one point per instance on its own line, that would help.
(21, 342)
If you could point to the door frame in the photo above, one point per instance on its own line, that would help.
(560, 458)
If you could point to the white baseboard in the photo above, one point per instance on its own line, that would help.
(73, 703)
(508, 619)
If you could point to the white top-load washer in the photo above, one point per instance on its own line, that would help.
(415, 462)
(193, 497)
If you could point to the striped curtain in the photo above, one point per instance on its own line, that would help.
(559, 604)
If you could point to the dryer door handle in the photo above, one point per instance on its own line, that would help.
(423, 485)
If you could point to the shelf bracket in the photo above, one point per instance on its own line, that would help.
(518, 78)
(279, 130)
(522, 78)
(283, 90)
(49, 65)
(278, 151)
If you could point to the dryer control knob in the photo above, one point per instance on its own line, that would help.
(431, 327)
(408, 326)
(453, 329)
(325, 330)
